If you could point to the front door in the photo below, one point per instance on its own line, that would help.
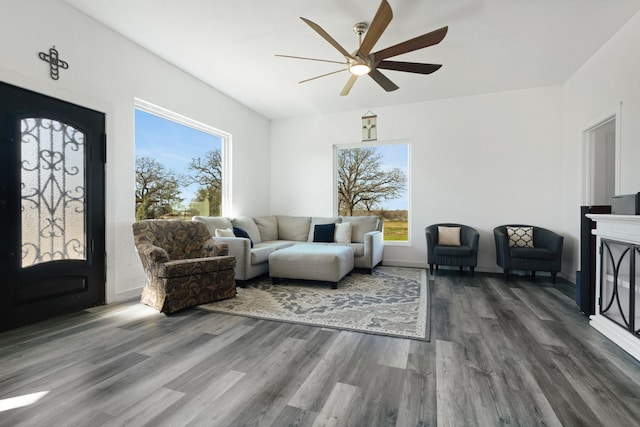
(52, 227)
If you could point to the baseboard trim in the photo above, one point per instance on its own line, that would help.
(128, 294)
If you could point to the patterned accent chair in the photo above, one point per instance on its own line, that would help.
(543, 252)
(183, 265)
(462, 252)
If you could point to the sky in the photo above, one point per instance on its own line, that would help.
(172, 144)
(396, 156)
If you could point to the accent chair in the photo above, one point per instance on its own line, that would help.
(528, 248)
(183, 265)
(453, 245)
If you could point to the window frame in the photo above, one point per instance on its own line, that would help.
(225, 139)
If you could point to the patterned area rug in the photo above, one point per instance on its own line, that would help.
(393, 301)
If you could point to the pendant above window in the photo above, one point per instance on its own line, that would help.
(369, 127)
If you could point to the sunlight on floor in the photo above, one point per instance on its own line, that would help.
(127, 312)
(21, 401)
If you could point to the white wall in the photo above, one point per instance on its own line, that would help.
(607, 84)
(105, 73)
(481, 160)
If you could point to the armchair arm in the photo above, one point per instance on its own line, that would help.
(430, 234)
(151, 254)
(374, 247)
(471, 237)
(503, 257)
(212, 248)
(240, 248)
(549, 240)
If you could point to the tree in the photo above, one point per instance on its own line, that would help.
(362, 183)
(156, 189)
(207, 172)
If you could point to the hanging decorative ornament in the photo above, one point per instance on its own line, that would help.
(369, 127)
(55, 63)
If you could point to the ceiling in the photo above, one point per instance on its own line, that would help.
(491, 46)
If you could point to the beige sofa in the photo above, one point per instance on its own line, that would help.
(270, 233)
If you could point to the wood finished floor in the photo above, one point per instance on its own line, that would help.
(501, 353)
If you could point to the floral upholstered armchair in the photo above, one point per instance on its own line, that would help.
(183, 265)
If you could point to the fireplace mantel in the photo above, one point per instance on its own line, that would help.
(618, 280)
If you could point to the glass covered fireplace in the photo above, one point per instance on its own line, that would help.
(620, 284)
(617, 313)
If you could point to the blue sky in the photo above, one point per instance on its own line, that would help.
(172, 144)
(396, 156)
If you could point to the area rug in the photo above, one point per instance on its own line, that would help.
(393, 301)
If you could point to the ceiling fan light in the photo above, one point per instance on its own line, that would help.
(359, 68)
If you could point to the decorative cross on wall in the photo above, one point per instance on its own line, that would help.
(54, 62)
(369, 129)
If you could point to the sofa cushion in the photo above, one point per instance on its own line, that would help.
(293, 227)
(520, 237)
(531, 253)
(316, 220)
(360, 225)
(214, 222)
(324, 233)
(248, 225)
(342, 233)
(452, 250)
(358, 248)
(261, 254)
(268, 227)
(261, 251)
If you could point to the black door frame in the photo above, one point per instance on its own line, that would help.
(51, 288)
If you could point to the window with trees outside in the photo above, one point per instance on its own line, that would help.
(372, 180)
(179, 165)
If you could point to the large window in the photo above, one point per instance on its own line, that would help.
(180, 165)
(373, 180)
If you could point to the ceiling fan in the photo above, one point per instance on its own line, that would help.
(362, 61)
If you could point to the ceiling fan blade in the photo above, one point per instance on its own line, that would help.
(382, 80)
(378, 25)
(327, 37)
(425, 40)
(312, 59)
(409, 67)
(349, 85)
(322, 75)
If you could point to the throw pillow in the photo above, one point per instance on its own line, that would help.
(520, 237)
(268, 227)
(448, 236)
(324, 233)
(248, 225)
(361, 225)
(320, 220)
(224, 232)
(239, 232)
(343, 233)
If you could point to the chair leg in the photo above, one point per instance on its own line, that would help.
(553, 277)
(460, 269)
(471, 268)
(506, 274)
(431, 269)
(533, 274)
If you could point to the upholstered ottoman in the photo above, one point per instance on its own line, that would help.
(325, 263)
